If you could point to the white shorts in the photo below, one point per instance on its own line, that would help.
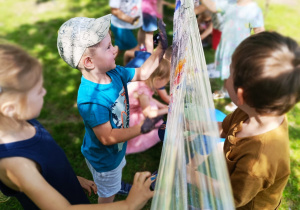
(109, 182)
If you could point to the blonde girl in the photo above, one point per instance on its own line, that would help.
(142, 105)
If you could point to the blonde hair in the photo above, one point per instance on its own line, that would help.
(19, 72)
(161, 72)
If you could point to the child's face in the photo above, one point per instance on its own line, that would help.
(104, 56)
(35, 100)
(159, 83)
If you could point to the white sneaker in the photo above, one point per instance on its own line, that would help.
(210, 66)
(230, 107)
(218, 94)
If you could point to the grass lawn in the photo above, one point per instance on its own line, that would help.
(34, 25)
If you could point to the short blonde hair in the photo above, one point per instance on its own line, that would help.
(19, 72)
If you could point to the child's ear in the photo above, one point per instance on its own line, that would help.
(8, 109)
(240, 96)
(88, 63)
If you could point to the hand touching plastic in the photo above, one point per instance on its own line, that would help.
(149, 124)
(140, 192)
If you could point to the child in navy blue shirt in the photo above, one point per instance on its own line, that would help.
(33, 168)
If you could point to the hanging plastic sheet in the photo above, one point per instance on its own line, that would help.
(192, 172)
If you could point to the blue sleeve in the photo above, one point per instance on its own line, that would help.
(258, 20)
(126, 73)
(162, 88)
(93, 114)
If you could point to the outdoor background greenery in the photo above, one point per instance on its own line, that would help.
(33, 24)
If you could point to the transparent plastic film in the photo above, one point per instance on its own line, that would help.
(192, 172)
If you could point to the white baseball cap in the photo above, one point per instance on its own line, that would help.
(78, 33)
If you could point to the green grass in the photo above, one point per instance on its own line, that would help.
(34, 27)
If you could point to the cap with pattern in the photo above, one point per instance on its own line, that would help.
(78, 33)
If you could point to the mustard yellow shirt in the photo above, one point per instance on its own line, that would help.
(259, 166)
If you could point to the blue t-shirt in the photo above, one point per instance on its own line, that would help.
(98, 104)
(55, 167)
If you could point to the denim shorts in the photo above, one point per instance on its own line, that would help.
(150, 23)
(109, 182)
(124, 38)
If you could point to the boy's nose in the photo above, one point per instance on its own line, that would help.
(116, 49)
(44, 91)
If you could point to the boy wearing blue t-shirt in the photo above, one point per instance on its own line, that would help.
(85, 44)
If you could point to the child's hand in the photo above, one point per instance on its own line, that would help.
(135, 20)
(149, 124)
(88, 185)
(162, 34)
(140, 192)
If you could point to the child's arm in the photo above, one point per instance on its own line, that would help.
(109, 136)
(159, 104)
(21, 174)
(147, 110)
(259, 29)
(164, 95)
(207, 31)
(144, 72)
(122, 16)
(210, 5)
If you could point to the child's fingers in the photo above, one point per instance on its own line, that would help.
(136, 177)
(94, 188)
(142, 176)
(150, 180)
(88, 189)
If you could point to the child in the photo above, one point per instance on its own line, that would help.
(85, 44)
(142, 105)
(217, 24)
(205, 27)
(126, 16)
(145, 34)
(264, 84)
(238, 21)
(33, 168)
(140, 57)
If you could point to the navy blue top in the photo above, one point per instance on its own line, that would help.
(55, 167)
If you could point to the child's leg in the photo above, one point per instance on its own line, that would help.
(108, 183)
(106, 200)
(129, 54)
(145, 35)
